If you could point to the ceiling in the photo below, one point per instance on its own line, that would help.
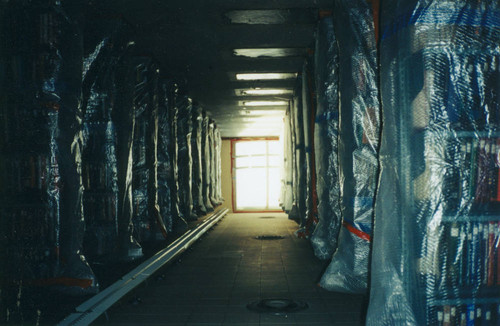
(204, 44)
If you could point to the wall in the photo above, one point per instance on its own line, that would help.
(227, 186)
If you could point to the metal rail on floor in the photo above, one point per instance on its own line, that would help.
(91, 309)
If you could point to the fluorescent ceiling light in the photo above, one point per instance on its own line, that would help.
(266, 76)
(267, 91)
(269, 52)
(265, 103)
(265, 120)
(263, 112)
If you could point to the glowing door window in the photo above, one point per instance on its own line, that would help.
(257, 174)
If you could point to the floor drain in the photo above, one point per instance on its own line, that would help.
(269, 237)
(269, 216)
(277, 306)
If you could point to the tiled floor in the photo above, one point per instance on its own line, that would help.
(229, 268)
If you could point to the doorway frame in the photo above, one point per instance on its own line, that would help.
(233, 176)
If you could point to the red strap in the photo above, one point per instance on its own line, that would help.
(359, 233)
(66, 281)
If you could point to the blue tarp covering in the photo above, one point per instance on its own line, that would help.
(436, 237)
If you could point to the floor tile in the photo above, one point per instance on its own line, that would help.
(213, 283)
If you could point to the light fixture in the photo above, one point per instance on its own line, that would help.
(261, 119)
(266, 76)
(266, 91)
(263, 112)
(269, 52)
(265, 103)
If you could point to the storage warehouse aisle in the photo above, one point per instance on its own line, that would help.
(229, 268)
(374, 125)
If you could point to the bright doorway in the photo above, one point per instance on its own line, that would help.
(256, 174)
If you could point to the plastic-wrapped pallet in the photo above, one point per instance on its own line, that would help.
(436, 242)
(294, 210)
(287, 182)
(99, 163)
(326, 132)
(41, 214)
(123, 115)
(308, 110)
(142, 173)
(196, 148)
(358, 145)
(218, 164)
(158, 226)
(185, 160)
(300, 161)
(212, 154)
(283, 141)
(205, 159)
(168, 184)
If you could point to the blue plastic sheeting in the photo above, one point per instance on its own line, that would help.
(99, 160)
(358, 145)
(168, 183)
(436, 238)
(326, 133)
(124, 118)
(41, 212)
(144, 184)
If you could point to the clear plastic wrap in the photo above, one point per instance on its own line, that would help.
(198, 202)
(41, 213)
(218, 164)
(205, 159)
(308, 111)
(438, 199)
(141, 171)
(156, 220)
(185, 160)
(286, 198)
(99, 163)
(358, 145)
(300, 164)
(168, 184)
(212, 170)
(326, 133)
(294, 210)
(149, 223)
(123, 116)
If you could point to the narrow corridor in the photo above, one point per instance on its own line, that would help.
(229, 268)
